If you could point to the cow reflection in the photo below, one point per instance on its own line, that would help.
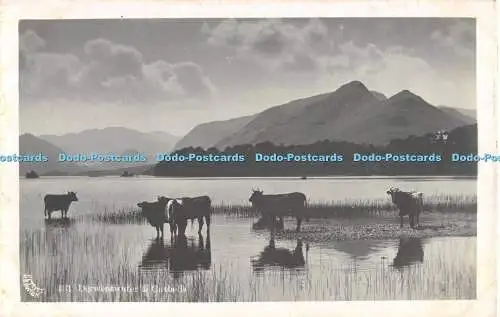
(279, 257)
(59, 222)
(156, 257)
(179, 256)
(410, 251)
(186, 256)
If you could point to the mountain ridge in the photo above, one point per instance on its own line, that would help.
(115, 140)
(351, 113)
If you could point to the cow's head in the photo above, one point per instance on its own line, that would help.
(256, 194)
(175, 206)
(72, 196)
(141, 204)
(163, 200)
(392, 192)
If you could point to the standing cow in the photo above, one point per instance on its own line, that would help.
(58, 202)
(155, 213)
(408, 203)
(189, 208)
(280, 205)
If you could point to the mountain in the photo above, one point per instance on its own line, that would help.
(115, 140)
(351, 113)
(32, 145)
(208, 134)
(401, 116)
(467, 115)
(380, 96)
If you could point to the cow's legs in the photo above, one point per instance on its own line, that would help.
(49, 212)
(401, 221)
(299, 221)
(200, 224)
(182, 227)
(282, 224)
(207, 220)
(412, 221)
(157, 231)
(161, 228)
(172, 228)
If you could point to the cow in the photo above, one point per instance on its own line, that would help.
(408, 203)
(190, 208)
(280, 205)
(281, 257)
(58, 202)
(155, 213)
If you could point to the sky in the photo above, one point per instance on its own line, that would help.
(173, 74)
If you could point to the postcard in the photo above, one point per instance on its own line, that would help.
(294, 158)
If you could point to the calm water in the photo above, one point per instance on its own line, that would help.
(76, 253)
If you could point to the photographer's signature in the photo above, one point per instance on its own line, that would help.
(30, 286)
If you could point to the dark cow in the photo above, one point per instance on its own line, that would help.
(408, 203)
(272, 206)
(155, 213)
(189, 208)
(410, 251)
(59, 202)
(279, 257)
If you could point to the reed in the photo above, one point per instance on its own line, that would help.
(322, 209)
(58, 261)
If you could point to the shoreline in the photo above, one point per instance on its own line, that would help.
(437, 224)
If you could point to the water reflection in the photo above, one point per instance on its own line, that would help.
(57, 240)
(59, 222)
(279, 257)
(358, 249)
(410, 252)
(178, 256)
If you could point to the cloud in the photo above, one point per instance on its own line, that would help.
(276, 45)
(458, 36)
(394, 69)
(108, 72)
(30, 42)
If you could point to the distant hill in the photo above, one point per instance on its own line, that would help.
(136, 169)
(114, 139)
(351, 113)
(463, 139)
(466, 115)
(208, 134)
(32, 145)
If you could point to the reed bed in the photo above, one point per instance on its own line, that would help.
(323, 209)
(94, 260)
(67, 269)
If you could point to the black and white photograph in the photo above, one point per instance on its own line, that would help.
(249, 159)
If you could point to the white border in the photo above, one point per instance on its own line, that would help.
(484, 10)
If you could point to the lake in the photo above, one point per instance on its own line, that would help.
(84, 260)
